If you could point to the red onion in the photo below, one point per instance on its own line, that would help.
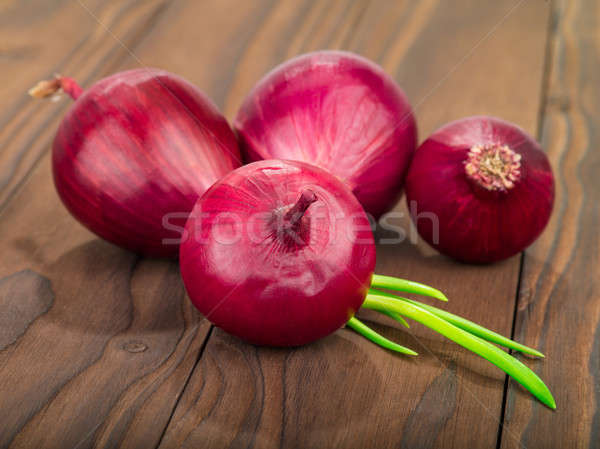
(274, 228)
(133, 154)
(480, 189)
(281, 253)
(340, 112)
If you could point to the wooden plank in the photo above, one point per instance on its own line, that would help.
(342, 391)
(91, 335)
(97, 344)
(266, 32)
(559, 298)
(107, 333)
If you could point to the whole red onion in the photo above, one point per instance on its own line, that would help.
(281, 253)
(480, 189)
(340, 112)
(134, 153)
(278, 253)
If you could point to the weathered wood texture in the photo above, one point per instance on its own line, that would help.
(96, 344)
(343, 392)
(99, 348)
(99, 343)
(559, 300)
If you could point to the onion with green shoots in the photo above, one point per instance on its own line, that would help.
(280, 253)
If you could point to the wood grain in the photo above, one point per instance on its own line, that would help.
(105, 364)
(235, 43)
(559, 304)
(102, 349)
(431, 414)
(24, 296)
(99, 349)
(98, 343)
(343, 392)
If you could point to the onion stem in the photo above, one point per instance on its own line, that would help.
(402, 285)
(369, 333)
(467, 325)
(47, 88)
(510, 365)
(397, 317)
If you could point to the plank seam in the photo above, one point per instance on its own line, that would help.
(544, 91)
(510, 351)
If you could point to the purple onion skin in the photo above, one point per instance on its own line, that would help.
(340, 112)
(252, 280)
(135, 147)
(477, 225)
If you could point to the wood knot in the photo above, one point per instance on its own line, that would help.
(134, 346)
(525, 298)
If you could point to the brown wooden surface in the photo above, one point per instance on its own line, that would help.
(559, 299)
(297, 401)
(99, 348)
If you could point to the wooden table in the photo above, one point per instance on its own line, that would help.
(101, 348)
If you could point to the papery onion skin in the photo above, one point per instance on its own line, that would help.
(133, 154)
(253, 283)
(338, 111)
(479, 225)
